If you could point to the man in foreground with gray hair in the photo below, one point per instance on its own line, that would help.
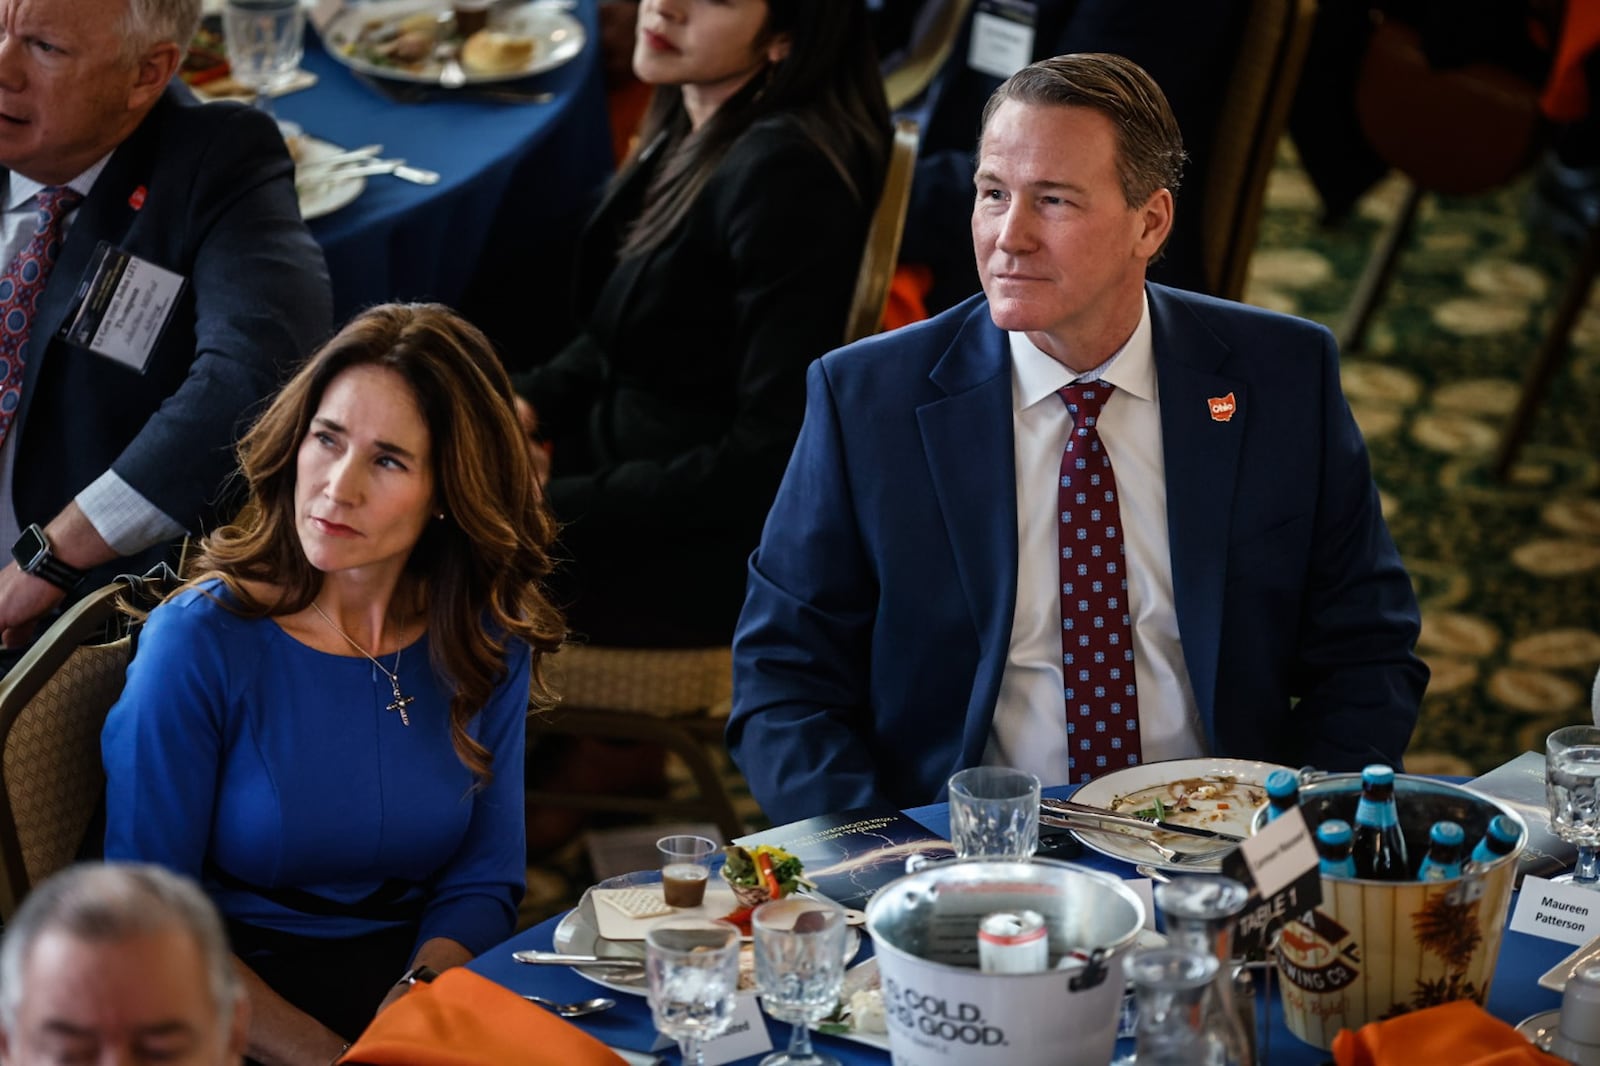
(119, 963)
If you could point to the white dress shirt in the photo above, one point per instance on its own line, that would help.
(1029, 730)
(119, 513)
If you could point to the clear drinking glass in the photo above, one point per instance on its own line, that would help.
(1173, 985)
(799, 967)
(994, 813)
(265, 40)
(692, 966)
(685, 869)
(1572, 792)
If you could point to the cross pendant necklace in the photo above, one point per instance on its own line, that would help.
(401, 701)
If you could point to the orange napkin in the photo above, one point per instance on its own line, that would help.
(1461, 1033)
(463, 1019)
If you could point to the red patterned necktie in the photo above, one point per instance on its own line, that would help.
(19, 294)
(1102, 703)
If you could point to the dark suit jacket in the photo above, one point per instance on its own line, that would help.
(674, 412)
(218, 206)
(868, 658)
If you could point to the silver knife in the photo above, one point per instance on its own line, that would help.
(338, 159)
(397, 167)
(556, 958)
(1128, 821)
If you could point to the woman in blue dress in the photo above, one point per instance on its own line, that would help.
(325, 725)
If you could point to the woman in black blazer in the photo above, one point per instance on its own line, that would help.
(721, 262)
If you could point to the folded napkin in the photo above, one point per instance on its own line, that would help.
(1461, 1033)
(463, 1019)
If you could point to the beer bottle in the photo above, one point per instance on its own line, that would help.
(1283, 792)
(1443, 861)
(1499, 839)
(1333, 845)
(1380, 849)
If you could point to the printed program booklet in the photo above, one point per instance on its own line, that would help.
(852, 854)
(1519, 784)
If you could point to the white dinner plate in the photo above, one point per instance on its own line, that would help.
(1116, 787)
(557, 36)
(578, 933)
(327, 195)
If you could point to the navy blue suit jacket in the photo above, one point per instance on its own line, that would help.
(207, 191)
(868, 657)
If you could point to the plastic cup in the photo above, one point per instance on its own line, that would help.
(685, 868)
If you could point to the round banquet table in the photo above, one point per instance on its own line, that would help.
(1514, 995)
(516, 180)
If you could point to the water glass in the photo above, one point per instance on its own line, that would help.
(265, 40)
(692, 968)
(800, 945)
(685, 869)
(994, 813)
(1572, 792)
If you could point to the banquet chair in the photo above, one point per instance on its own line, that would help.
(882, 250)
(52, 705)
(1261, 89)
(678, 698)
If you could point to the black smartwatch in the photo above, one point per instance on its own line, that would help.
(32, 553)
(418, 975)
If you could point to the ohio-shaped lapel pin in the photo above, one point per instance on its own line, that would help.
(1222, 407)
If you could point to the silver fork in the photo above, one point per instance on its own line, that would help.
(1168, 855)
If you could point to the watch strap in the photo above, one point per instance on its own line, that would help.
(46, 566)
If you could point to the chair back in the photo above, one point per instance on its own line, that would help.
(52, 706)
(882, 249)
(1254, 113)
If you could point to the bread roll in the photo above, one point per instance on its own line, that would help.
(493, 52)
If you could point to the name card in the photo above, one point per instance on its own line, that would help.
(746, 1034)
(1144, 888)
(1569, 913)
(1279, 866)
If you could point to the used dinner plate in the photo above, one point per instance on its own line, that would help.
(578, 933)
(326, 195)
(557, 38)
(1134, 788)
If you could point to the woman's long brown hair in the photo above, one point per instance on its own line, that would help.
(479, 569)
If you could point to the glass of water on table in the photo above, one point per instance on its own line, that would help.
(1572, 791)
(692, 968)
(265, 41)
(800, 946)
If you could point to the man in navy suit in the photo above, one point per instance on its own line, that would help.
(911, 607)
(118, 444)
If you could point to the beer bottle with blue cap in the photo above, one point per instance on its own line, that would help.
(1333, 848)
(1380, 849)
(1283, 793)
(1499, 839)
(1443, 861)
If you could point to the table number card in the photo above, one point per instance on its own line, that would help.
(745, 1036)
(1569, 913)
(1279, 865)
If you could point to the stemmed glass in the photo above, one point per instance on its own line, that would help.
(265, 40)
(799, 968)
(692, 966)
(1572, 792)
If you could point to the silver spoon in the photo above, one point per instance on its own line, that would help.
(1146, 870)
(573, 1010)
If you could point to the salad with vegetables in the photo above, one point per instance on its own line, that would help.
(759, 874)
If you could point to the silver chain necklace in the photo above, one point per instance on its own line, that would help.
(400, 701)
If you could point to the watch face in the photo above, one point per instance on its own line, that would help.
(30, 549)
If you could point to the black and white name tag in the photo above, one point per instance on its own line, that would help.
(1002, 36)
(122, 306)
(1280, 867)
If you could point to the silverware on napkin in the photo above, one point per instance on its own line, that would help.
(1128, 821)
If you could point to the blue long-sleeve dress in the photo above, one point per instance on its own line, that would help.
(248, 760)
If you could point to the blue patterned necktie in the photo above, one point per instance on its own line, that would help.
(1102, 703)
(24, 280)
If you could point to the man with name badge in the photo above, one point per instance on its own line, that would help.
(1079, 522)
(158, 282)
(119, 963)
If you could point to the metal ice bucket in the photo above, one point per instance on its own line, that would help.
(943, 1011)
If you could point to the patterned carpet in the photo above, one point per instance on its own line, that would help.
(1508, 576)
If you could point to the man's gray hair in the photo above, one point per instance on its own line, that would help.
(109, 902)
(148, 22)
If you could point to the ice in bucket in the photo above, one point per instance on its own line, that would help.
(1374, 949)
(943, 1011)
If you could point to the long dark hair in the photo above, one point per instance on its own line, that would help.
(480, 567)
(829, 83)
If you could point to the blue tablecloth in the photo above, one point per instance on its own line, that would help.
(516, 180)
(1514, 995)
